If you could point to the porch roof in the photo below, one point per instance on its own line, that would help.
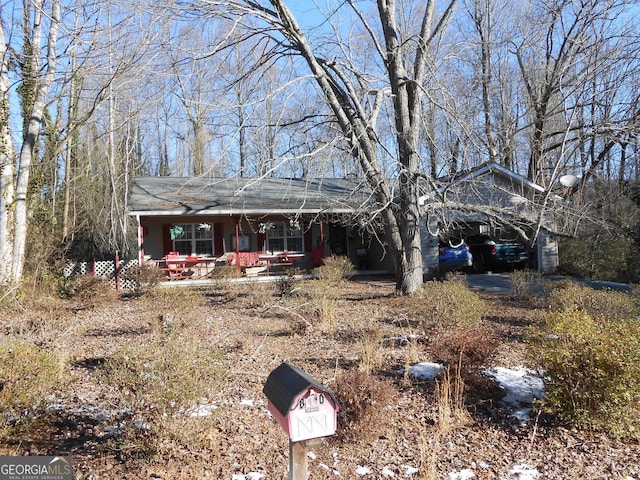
(155, 196)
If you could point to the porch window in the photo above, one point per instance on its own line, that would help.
(284, 237)
(196, 238)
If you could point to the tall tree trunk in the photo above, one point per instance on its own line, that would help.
(6, 167)
(482, 21)
(399, 208)
(43, 85)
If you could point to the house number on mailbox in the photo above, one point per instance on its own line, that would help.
(304, 408)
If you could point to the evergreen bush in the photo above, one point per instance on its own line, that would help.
(590, 354)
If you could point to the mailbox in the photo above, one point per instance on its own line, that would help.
(303, 407)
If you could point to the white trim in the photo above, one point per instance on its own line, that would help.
(240, 211)
(487, 168)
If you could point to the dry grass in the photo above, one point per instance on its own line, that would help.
(450, 402)
(369, 349)
(137, 369)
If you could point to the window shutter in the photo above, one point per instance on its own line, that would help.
(218, 239)
(167, 243)
(308, 238)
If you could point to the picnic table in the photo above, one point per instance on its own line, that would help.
(180, 267)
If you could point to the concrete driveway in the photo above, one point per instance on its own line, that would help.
(501, 282)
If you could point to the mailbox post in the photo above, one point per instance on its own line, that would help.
(305, 410)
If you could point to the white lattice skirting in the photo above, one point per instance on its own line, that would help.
(105, 269)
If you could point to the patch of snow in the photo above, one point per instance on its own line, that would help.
(113, 430)
(405, 338)
(96, 413)
(247, 403)
(360, 470)
(201, 410)
(410, 471)
(522, 472)
(522, 386)
(464, 474)
(248, 476)
(141, 424)
(424, 370)
(387, 472)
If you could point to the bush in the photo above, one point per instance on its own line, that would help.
(336, 268)
(523, 283)
(166, 374)
(28, 375)
(446, 305)
(464, 350)
(592, 370)
(88, 288)
(599, 255)
(449, 399)
(320, 299)
(139, 280)
(222, 273)
(606, 305)
(369, 348)
(286, 285)
(363, 400)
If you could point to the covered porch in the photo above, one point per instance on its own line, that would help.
(198, 229)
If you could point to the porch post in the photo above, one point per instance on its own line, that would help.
(238, 266)
(140, 242)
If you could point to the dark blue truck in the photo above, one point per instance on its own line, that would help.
(489, 255)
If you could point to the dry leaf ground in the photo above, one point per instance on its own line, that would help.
(251, 329)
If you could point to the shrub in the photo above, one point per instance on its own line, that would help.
(607, 305)
(592, 370)
(10, 296)
(523, 283)
(599, 255)
(446, 305)
(464, 350)
(363, 405)
(225, 272)
(88, 288)
(139, 280)
(177, 299)
(167, 373)
(286, 285)
(336, 268)
(449, 400)
(28, 375)
(319, 298)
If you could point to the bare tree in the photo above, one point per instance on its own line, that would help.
(403, 50)
(6, 164)
(42, 84)
(556, 54)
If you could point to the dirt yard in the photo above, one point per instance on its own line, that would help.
(115, 427)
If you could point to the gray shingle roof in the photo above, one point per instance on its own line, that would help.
(226, 196)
